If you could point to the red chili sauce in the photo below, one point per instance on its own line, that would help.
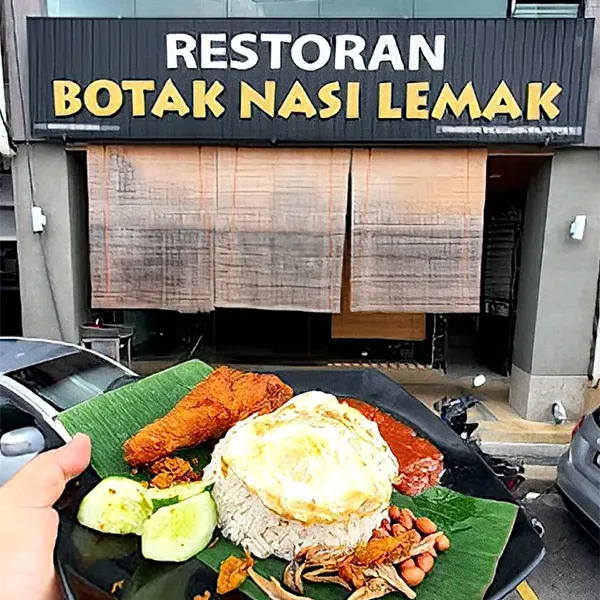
(420, 462)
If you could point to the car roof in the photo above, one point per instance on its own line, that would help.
(20, 353)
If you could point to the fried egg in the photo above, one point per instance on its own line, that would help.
(315, 460)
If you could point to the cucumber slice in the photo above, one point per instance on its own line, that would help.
(178, 532)
(116, 505)
(179, 491)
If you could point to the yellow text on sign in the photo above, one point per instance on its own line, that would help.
(106, 98)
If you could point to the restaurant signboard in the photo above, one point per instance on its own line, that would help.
(317, 81)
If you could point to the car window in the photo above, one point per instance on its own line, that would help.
(12, 417)
(69, 380)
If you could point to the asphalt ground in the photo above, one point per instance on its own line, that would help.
(571, 567)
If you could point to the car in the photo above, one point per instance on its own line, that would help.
(38, 380)
(578, 480)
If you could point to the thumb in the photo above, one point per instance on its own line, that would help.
(42, 481)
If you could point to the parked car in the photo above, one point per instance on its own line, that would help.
(38, 380)
(578, 478)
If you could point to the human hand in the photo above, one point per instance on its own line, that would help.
(29, 524)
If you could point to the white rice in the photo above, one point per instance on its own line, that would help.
(247, 522)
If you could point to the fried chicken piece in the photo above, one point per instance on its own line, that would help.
(214, 406)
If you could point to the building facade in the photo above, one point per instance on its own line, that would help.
(9, 281)
(395, 173)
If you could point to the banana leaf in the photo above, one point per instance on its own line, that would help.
(478, 530)
(113, 417)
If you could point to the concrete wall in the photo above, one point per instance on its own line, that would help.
(52, 270)
(531, 263)
(557, 286)
(569, 272)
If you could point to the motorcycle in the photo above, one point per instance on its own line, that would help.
(453, 411)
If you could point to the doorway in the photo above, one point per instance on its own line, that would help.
(484, 342)
(10, 297)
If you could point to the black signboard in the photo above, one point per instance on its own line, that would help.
(327, 81)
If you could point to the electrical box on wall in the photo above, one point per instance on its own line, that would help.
(577, 228)
(38, 219)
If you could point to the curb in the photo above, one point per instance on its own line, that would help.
(530, 454)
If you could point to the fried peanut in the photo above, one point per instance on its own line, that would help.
(442, 543)
(425, 525)
(425, 562)
(385, 524)
(413, 576)
(394, 513)
(406, 518)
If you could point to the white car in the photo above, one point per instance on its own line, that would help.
(38, 380)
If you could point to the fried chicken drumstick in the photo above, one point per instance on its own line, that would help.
(214, 406)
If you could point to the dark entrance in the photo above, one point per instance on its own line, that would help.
(10, 298)
(484, 342)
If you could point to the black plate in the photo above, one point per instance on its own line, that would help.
(90, 563)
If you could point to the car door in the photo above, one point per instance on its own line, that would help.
(12, 418)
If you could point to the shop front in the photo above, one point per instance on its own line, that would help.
(312, 190)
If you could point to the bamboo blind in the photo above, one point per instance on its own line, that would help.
(189, 229)
(373, 325)
(151, 222)
(417, 229)
(280, 228)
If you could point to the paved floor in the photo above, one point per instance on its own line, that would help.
(571, 568)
